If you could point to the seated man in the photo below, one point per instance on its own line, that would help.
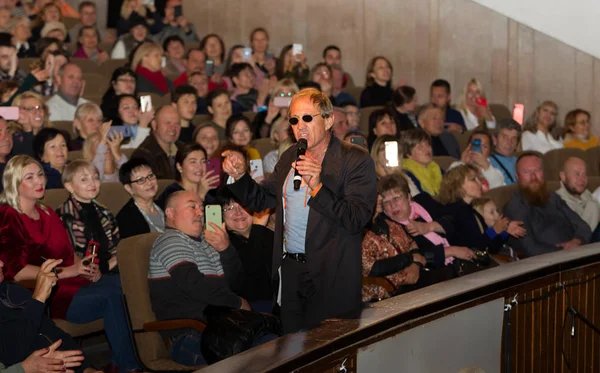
(243, 76)
(160, 148)
(442, 142)
(332, 56)
(191, 268)
(185, 99)
(550, 224)
(439, 96)
(508, 133)
(194, 61)
(573, 190)
(340, 123)
(70, 83)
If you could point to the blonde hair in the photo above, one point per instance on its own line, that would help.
(15, 126)
(462, 100)
(142, 51)
(451, 189)
(479, 203)
(12, 179)
(278, 125)
(532, 122)
(74, 167)
(318, 98)
(286, 83)
(85, 110)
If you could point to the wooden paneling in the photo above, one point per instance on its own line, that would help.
(451, 39)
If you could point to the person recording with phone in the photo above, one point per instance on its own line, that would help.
(292, 64)
(474, 106)
(175, 23)
(323, 200)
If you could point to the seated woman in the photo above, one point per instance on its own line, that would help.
(478, 154)
(87, 46)
(51, 148)
(146, 63)
(322, 74)
(276, 108)
(191, 175)
(53, 60)
(577, 127)
(214, 49)
(140, 214)
(134, 9)
(33, 116)
(29, 230)
(382, 167)
(239, 133)
(235, 55)
(378, 85)
(389, 251)
(207, 136)
(474, 107)
(460, 187)
(290, 66)
(381, 122)
(404, 104)
(122, 82)
(86, 221)
(49, 13)
(129, 114)
(174, 51)
(539, 130)
(103, 149)
(138, 33)
(87, 121)
(254, 245)
(418, 162)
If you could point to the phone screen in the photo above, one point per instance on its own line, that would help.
(125, 130)
(391, 153)
(358, 140)
(247, 54)
(213, 214)
(476, 145)
(215, 167)
(145, 103)
(519, 113)
(282, 101)
(10, 112)
(209, 67)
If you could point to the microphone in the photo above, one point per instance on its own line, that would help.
(300, 150)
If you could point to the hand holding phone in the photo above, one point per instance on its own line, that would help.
(256, 169)
(476, 145)
(178, 11)
(209, 68)
(146, 103)
(297, 50)
(482, 101)
(282, 101)
(247, 54)
(213, 214)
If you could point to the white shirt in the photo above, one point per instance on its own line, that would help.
(539, 142)
(471, 121)
(494, 176)
(139, 138)
(119, 51)
(61, 109)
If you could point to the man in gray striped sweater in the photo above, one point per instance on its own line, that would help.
(190, 269)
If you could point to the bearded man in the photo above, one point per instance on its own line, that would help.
(550, 224)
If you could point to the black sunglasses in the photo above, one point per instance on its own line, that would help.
(306, 118)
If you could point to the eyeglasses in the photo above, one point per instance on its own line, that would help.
(231, 208)
(284, 94)
(142, 180)
(32, 108)
(305, 118)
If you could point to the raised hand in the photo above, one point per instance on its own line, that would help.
(45, 280)
(234, 164)
(70, 359)
(310, 170)
(38, 363)
(209, 181)
(515, 229)
(219, 239)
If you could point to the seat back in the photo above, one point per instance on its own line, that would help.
(250, 115)
(462, 139)
(444, 161)
(355, 92)
(114, 196)
(55, 197)
(133, 255)
(500, 111)
(593, 161)
(501, 195)
(64, 126)
(163, 184)
(264, 146)
(555, 159)
(74, 154)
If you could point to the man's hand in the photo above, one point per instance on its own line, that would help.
(310, 170)
(70, 359)
(219, 239)
(575, 242)
(45, 280)
(245, 305)
(515, 229)
(145, 118)
(233, 164)
(418, 258)
(38, 363)
(412, 273)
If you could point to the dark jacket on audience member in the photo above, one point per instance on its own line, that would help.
(53, 177)
(130, 220)
(185, 136)
(546, 226)
(23, 143)
(25, 329)
(403, 122)
(454, 116)
(162, 164)
(445, 144)
(376, 95)
(2, 167)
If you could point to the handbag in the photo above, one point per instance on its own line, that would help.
(230, 331)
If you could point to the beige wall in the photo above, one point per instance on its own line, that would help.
(424, 39)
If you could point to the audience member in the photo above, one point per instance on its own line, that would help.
(539, 130)
(381, 122)
(442, 142)
(199, 81)
(208, 136)
(160, 147)
(340, 123)
(477, 154)
(404, 103)
(243, 76)
(185, 100)
(577, 130)
(33, 116)
(332, 56)
(5, 16)
(30, 230)
(6, 145)
(174, 24)
(70, 84)
(574, 191)
(418, 163)
(290, 66)
(353, 115)
(88, 16)
(50, 147)
(190, 269)
(131, 9)
(219, 106)
(550, 224)
(49, 13)
(474, 106)
(9, 62)
(122, 82)
(281, 138)
(337, 81)
(140, 214)
(174, 51)
(440, 96)
(277, 107)
(378, 85)
(103, 149)
(55, 30)
(193, 61)
(52, 61)
(129, 114)
(214, 49)
(235, 55)
(508, 133)
(138, 34)
(87, 222)
(262, 61)
(322, 75)
(87, 46)
(87, 121)
(239, 134)
(20, 29)
(382, 164)
(146, 63)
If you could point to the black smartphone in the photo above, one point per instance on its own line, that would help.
(44, 260)
(358, 140)
(178, 11)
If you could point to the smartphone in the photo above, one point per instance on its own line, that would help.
(178, 11)
(145, 103)
(296, 49)
(10, 112)
(247, 54)
(163, 62)
(476, 145)
(391, 153)
(215, 167)
(256, 165)
(209, 67)
(482, 101)
(358, 140)
(91, 250)
(125, 130)
(213, 214)
(518, 113)
(282, 101)
(148, 2)
(44, 259)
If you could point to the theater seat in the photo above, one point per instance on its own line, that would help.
(264, 146)
(200, 119)
(74, 154)
(462, 139)
(500, 111)
(501, 195)
(114, 196)
(55, 197)
(250, 115)
(363, 123)
(593, 161)
(555, 159)
(133, 255)
(64, 125)
(444, 161)
(80, 330)
(354, 92)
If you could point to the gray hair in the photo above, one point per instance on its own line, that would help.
(316, 97)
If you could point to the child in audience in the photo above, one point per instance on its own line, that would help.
(239, 133)
(495, 222)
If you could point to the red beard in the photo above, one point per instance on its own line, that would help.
(535, 196)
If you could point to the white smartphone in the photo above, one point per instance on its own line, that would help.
(148, 2)
(247, 54)
(296, 49)
(256, 165)
(9, 112)
(146, 103)
(213, 214)
(519, 113)
(282, 101)
(391, 153)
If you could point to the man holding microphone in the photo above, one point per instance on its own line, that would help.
(319, 221)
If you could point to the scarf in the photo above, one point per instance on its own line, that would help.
(430, 177)
(157, 78)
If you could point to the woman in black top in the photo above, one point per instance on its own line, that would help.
(378, 91)
(404, 104)
(381, 122)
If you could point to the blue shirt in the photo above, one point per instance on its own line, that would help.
(506, 165)
(295, 216)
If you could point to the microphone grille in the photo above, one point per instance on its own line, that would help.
(302, 144)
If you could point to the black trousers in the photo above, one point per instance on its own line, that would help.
(301, 301)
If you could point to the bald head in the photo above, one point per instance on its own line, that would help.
(166, 126)
(184, 212)
(574, 176)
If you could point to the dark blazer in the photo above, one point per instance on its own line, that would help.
(131, 221)
(338, 214)
(151, 151)
(143, 85)
(450, 144)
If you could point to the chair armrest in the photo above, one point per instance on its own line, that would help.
(155, 326)
(380, 281)
(27, 284)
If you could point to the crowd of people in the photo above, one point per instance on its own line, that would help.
(304, 236)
